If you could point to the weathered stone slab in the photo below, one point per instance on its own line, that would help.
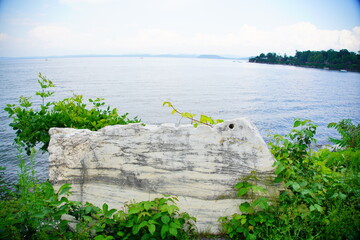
(199, 165)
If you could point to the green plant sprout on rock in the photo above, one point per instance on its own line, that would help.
(205, 120)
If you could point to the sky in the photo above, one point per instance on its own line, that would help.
(240, 28)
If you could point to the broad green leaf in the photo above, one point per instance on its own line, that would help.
(239, 185)
(316, 207)
(262, 202)
(39, 215)
(306, 191)
(152, 228)
(105, 208)
(172, 208)
(156, 216)
(164, 230)
(297, 123)
(152, 222)
(129, 223)
(165, 219)
(64, 189)
(88, 209)
(242, 191)
(252, 222)
(246, 208)
(135, 229)
(295, 186)
(143, 224)
(147, 205)
(167, 104)
(238, 216)
(143, 214)
(173, 231)
(175, 224)
(256, 188)
(88, 218)
(110, 213)
(279, 169)
(278, 179)
(134, 210)
(99, 237)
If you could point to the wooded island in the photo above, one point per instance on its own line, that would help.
(331, 59)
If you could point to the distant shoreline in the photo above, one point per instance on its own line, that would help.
(201, 56)
(311, 67)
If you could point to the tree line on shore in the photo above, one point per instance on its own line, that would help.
(331, 59)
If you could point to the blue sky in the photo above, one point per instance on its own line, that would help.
(224, 27)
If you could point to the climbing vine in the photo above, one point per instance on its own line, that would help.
(204, 120)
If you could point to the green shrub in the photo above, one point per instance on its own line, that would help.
(36, 211)
(39, 215)
(350, 134)
(32, 124)
(320, 199)
(156, 219)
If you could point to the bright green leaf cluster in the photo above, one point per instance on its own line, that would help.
(320, 195)
(34, 211)
(32, 124)
(350, 134)
(205, 120)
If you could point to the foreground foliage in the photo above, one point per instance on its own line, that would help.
(32, 124)
(36, 211)
(320, 197)
(350, 134)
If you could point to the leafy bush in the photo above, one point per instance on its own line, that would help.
(32, 124)
(156, 219)
(36, 211)
(320, 199)
(350, 134)
(40, 215)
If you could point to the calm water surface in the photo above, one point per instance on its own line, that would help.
(269, 95)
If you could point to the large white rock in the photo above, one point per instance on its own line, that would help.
(134, 162)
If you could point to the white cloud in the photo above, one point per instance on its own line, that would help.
(50, 33)
(247, 41)
(3, 36)
(250, 40)
(306, 36)
(85, 1)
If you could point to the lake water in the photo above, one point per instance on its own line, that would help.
(269, 95)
